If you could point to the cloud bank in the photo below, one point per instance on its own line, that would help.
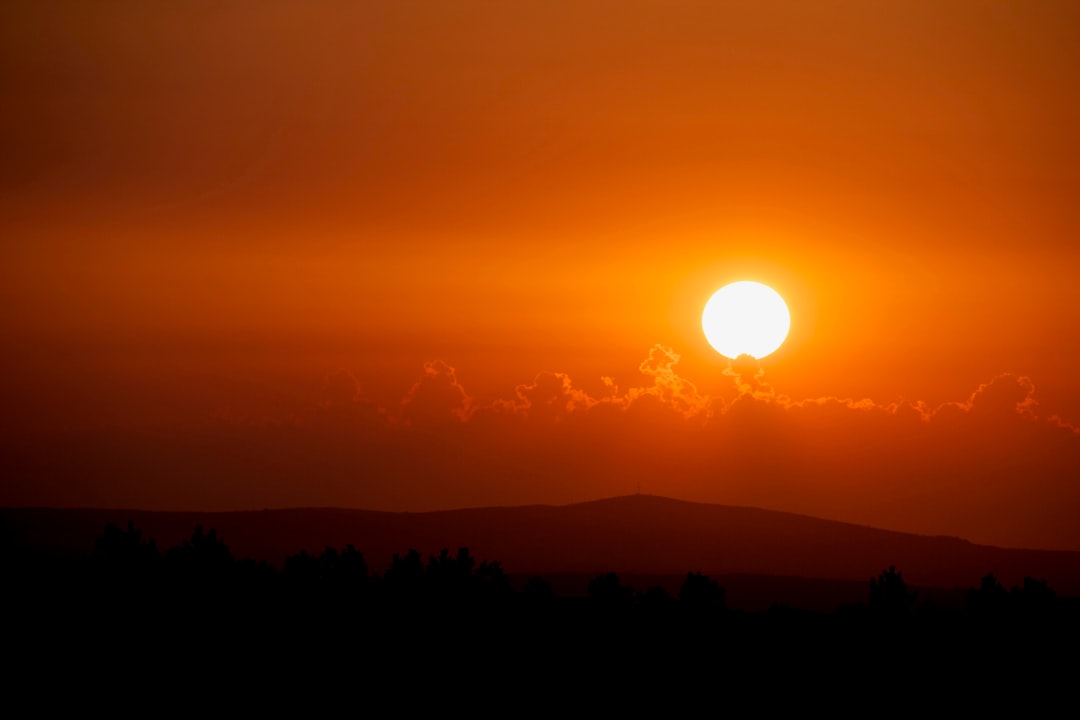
(988, 467)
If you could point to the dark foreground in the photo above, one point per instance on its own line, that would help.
(129, 617)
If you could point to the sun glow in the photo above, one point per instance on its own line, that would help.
(746, 318)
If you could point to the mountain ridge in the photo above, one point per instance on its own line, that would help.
(630, 534)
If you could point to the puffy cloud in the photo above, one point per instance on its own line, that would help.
(748, 373)
(550, 397)
(342, 406)
(1064, 425)
(437, 398)
(985, 467)
(668, 387)
(340, 389)
(1006, 394)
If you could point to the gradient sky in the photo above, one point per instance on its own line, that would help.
(426, 255)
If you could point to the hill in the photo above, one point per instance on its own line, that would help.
(633, 535)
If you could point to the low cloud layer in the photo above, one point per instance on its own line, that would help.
(988, 467)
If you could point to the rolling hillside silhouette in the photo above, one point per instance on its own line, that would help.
(632, 535)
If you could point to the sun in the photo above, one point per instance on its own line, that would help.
(746, 318)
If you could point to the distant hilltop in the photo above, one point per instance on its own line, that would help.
(635, 534)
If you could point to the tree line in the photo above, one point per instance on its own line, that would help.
(129, 593)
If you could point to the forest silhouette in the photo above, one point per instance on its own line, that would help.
(453, 613)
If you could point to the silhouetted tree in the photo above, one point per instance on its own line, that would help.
(302, 567)
(405, 576)
(351, 563)
(126, 571)
(332, 570)
(124, 553)
(494, 583)
(700, 592)
(1035, 598)
(538, 589)
(350, 570)
(451, 575)
(656, 600)
(889, 594)
(203, 558)
(990, 599)
(606, 590)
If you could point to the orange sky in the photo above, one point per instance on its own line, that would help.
(233, 233)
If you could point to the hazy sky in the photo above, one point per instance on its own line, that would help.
(233, 233)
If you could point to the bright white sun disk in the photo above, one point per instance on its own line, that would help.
(746, 318)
